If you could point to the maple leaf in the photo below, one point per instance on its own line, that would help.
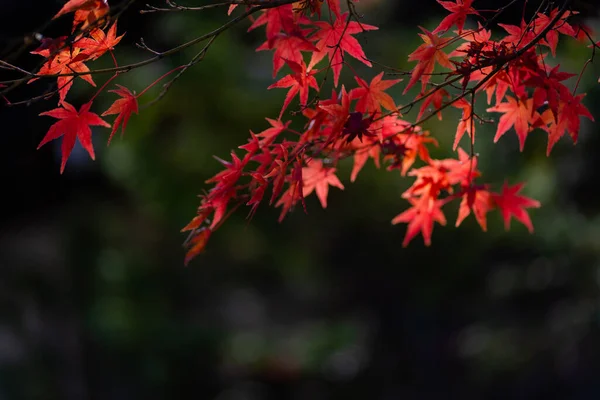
(334, 39)
(294, 193)
(371, 97)
(466, 122)
(478, 200)
(86, 11)
(427, 55)
(517, 113)
(520, 35)
(513, 205)
(63, 63)
(568, 120)
(421, 218)
(98, 44)
(437, 97)
(75, 5)
(548, 88)
(72, 125)
(197, 244)
(458, 16)
(268, 135)
(339, 112)
(562, 26)
(299, 83)
(124, 106)
(287, 47)
(318, 178)
(276, 19)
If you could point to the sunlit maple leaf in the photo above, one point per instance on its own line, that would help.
(421, 218)
(334, 39)
(459, 11)
(371, 96)
(98, 43)
(124, 107)
(299, 83)
(86, 11)
(427, 55)
(478, 200)
(513, 205)
(72, 125)
(466, 123)
(316, 177)
(62, 63)
(517, 114)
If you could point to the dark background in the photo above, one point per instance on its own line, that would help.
(95, 301)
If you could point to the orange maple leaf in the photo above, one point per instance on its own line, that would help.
(63, 63)
(72, 125)
(98, 44)
(86, 11)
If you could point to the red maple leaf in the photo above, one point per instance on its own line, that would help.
(299, 83)
(72, 125)
(333, 39)
(478, 200)
(420, 218)
(270, 134)
(288, 46)
(548, 88)
(124, 106)
(466, 122)
(63, 63)
(86, 11)
(458, 16)
(437, 97)
(427, 55)
(276, 19)
(569, 113)
(517, 113)
(371, 96)
(511, 204)
(318, 178)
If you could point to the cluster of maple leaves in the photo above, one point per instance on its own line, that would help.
(282, 166)
(66, 58)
